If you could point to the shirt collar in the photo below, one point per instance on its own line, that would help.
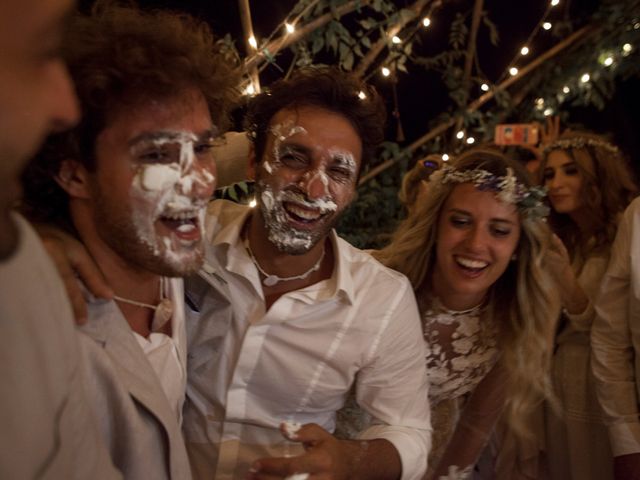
(231, 219)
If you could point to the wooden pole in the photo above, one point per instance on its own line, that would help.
(579, 35)
(247, 28)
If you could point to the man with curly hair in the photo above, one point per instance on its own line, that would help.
(131, 181)
(286, 318)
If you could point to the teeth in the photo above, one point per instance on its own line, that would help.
(469, 263)
(186, 227)
(303, 213)
(185, 215)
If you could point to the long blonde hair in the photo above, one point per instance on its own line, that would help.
(523, 301)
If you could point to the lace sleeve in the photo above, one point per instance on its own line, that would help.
(474, 427)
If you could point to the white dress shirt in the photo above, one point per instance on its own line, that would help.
(615, 337)
(298, 360)
(167, 354)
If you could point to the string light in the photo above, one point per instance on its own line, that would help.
(548, 112)
(566, 89)
(460, 135)
(386, 72)
(539, 103)
(484, 87)
(253, 42)
(445, 157)
(626, 49)
(471, 140)
(250, 90)
(290, 28)
(362, 95)
(426, 21)
(396, 40)
(253, 203)
(608, 61)
(547, 25)
(555, 3)
(636, 26)
(524, 50)
(585, 78)
(513, 71)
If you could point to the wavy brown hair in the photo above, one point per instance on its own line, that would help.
(523, 301)
(120, 56)
(607, 188)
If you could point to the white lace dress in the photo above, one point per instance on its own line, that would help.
(461, 352)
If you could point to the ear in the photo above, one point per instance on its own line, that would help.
(252, 164)
(73, 178)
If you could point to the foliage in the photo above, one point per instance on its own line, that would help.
(347, 40)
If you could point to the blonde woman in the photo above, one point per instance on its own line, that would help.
(589, 186)
(474, 248)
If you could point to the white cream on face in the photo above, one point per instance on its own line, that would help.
(170, 191)
(338, 167)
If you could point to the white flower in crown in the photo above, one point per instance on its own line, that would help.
(508, 188)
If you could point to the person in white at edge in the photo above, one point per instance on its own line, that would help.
(46, 426)
(286, 317)
(135, 196)
(615, 340)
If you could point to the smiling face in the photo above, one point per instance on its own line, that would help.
(154, 177)
(307, 176)
(564, 180)
(477, 236)
(36, 94)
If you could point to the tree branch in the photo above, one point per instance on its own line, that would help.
(377, 47)
(577, 36)
(470, 55)
(274, 46)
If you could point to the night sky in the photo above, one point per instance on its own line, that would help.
(421, 94)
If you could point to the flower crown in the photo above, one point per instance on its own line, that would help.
(529, 200)
(580, 142)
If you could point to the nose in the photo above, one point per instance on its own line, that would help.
(199, 181)
(556, 181)
(315, 184)
(64, 108)
(477, 239)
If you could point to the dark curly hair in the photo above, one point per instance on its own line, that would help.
(117, 56)
(324, 87)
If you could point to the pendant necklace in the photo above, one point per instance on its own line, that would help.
(162, 311)
(270, 280)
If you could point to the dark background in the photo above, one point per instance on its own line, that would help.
(422, 95)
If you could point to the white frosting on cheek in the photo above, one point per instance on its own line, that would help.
(268, 199)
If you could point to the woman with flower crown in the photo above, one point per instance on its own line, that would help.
(474, 249)
(589, 186)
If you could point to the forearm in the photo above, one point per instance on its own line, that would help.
(373, 459)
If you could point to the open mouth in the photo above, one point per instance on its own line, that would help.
(301, 214)
(470, 265)
(184, 224)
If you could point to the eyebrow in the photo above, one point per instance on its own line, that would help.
(170, 135)
(494, 219)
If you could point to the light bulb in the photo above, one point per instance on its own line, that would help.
(386, 72)
(426, 21)
(547, 25)
(524, 50)
(513, 71)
